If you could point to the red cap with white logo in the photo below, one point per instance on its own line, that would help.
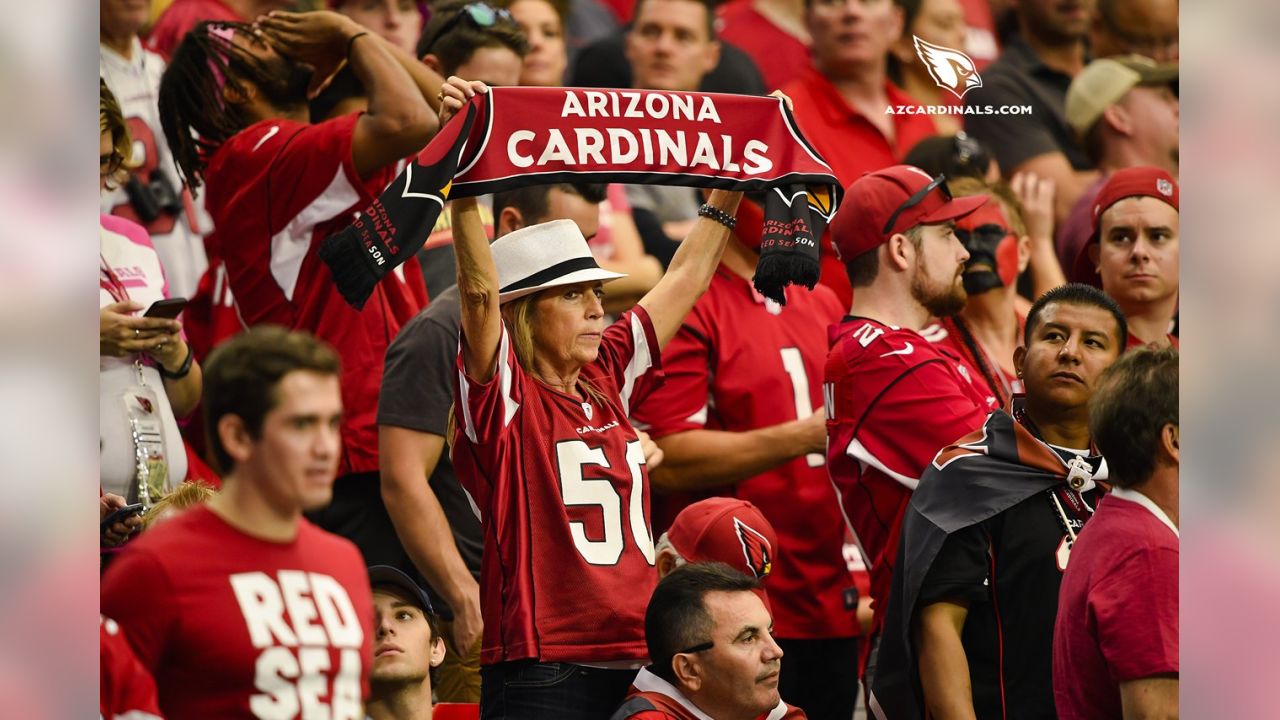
(1126, 183)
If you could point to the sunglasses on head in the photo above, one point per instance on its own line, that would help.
(698, 648)
(480, 15)
(939, 182)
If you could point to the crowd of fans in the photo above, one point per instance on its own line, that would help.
(566, 461)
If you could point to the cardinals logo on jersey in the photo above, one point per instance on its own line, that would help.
(755, 549)
(951, 69)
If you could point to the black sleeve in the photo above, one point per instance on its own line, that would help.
(961, 569)
(417, 381)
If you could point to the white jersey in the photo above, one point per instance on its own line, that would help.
(136, 85)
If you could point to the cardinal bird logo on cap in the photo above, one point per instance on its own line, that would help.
(951, 69)
(755, 549)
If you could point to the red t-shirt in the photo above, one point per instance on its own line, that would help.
(737, 364)
(232, 626)
(851, 145)
(893, 401)
(1117, 608)
(275, 191)
(562, 491)
(178, 19)
(781, 56)
(126, 690)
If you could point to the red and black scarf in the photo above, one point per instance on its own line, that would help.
(515, 137)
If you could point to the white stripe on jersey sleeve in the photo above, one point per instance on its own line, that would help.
(505, 378)
(859, 452)
(641, 361)
(290, 246)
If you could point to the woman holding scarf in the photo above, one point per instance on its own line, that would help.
(543, 445)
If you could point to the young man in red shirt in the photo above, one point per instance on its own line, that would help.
(1115, 643)
(1134, 249)
(241, 608)
(892, 398)
(840, 101)
(233, 102)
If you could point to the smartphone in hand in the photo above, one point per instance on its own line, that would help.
(119, 515)
(168, 308)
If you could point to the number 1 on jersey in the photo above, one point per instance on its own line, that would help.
(793, 363)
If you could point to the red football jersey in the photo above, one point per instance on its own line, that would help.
(275, 191)
(126, 690)
(742, 362)
(562, 491)
(893, 401)
(983, 368)
(232, 626)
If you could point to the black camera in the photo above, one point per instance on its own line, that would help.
(153, 198)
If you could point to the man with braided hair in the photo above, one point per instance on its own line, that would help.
(233, 103)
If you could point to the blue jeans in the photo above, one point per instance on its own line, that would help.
(527, 689)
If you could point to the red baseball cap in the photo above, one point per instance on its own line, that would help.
(893, 200)
(726, 530)
(1126, 183)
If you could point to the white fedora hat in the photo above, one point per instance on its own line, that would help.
(542, 256)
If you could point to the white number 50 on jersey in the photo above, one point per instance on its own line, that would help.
(578, 490)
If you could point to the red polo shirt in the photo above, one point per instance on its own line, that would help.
(851, 145)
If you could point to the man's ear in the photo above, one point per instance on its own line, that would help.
(1095, 252)
(1118, 118)
(688, 672)
(433, 62)
(239, 93)
(1019, 355)
(712, 57)
(899, 253)
(509, 220)
(437, 651)
(1169, 443)
(235, 438)
(666, 562)
(1024, 253)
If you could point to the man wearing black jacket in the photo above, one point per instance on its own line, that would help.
(989, 531)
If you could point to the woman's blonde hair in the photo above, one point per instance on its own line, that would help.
(519, 316)
(186, 495)
(111, 120)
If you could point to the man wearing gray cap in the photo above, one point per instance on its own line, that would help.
(1125, 113)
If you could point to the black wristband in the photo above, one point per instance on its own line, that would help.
(352, 41)
(718, 215)
(182, 371)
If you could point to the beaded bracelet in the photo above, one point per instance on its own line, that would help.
(718, 215)
(182, 371)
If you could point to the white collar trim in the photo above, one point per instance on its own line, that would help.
(648, 682)
(1146, 502)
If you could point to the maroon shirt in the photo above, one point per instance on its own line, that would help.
(1117, 607)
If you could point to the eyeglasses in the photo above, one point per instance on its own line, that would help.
(480, 15)
(939, 182)
(698, 648)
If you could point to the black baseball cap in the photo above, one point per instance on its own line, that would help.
(386, 575)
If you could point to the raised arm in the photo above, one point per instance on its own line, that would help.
(399, 121)
(705, 459)
(691, 269)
